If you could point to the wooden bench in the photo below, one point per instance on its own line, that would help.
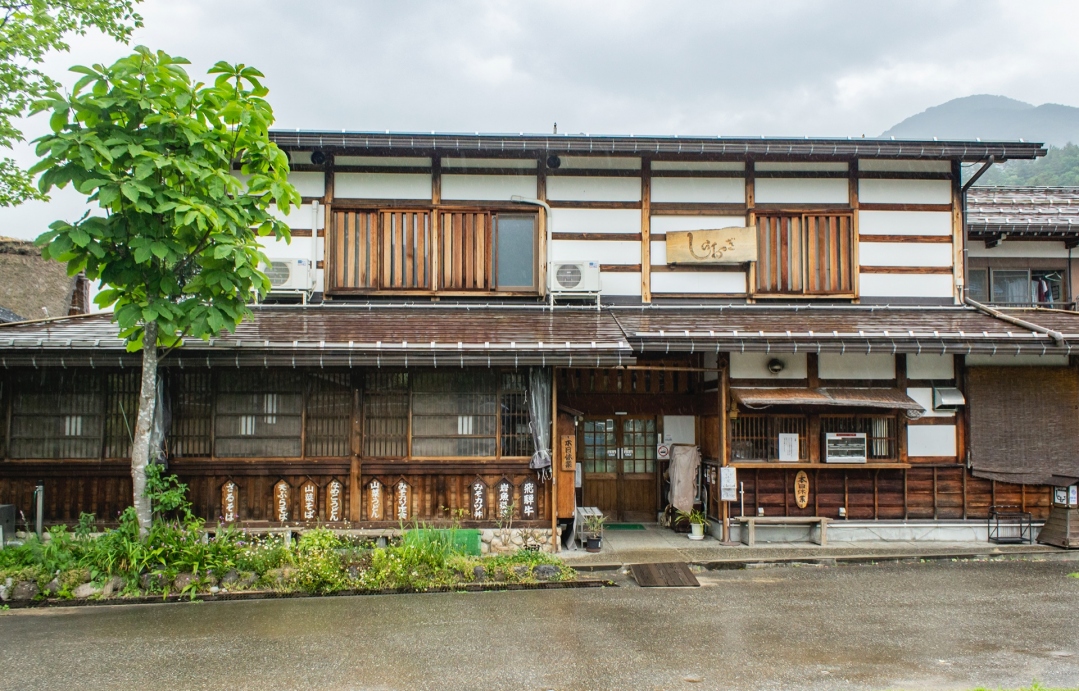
(750, 523)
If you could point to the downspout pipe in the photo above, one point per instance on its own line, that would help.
(1057, 337)
(963, 214)
(548, 226)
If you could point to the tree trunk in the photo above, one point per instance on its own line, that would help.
(140, 445)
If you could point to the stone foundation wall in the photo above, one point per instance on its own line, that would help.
(510, 540)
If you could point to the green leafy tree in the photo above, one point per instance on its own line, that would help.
(176, 247)
(29, 29)
(1058, 168)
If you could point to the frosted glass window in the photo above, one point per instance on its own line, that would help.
(515, 247)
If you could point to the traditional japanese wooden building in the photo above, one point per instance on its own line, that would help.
(788, 306)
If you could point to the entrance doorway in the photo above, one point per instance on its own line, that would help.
(619, 466)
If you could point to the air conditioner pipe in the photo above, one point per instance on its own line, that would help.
(548, 225)
(1056, 336)
(39, 497)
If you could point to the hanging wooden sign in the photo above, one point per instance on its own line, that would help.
(721, 246)
(309, 501)
(528, 499)
(801, 489)
(478, 493)
(334, 505)
(281, 497)
(374, 500)
(569, 452)
(402, 500)
(504, 498)
(229, 501)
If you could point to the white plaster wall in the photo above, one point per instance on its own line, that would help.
(906, 285)
(308, 184)
(600, 162)
(603, 251)
(711, 361)
(719, 282)
(489, 163)
(1017, 360)
(301, 217)
(382, 186)
(872, 191)
(1020, 248)
(904, 254)
(930, 366)
(931, 440)
(679, 429)
(593, 189)
(831, 166)
(856, 366)
(488, 187)
(699, 190)
(801, 191)
(924, 397)
(755, 366)
(299, 248)
(620, 283)
(383, 161)
(698, 165)
(596, 220)
(904, 223)
(666, 224)
(903, 165)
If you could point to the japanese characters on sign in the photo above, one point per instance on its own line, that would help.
(374, 500)
(281, 492)
(728, 484)
(722, 246)
(528, 499)
(334, 511)
(403, 500)
(229, 501)
(504, 497)
(569, 452)
(309, 500)
(479, 500)
(801, 489)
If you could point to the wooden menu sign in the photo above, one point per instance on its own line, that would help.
(309, 501)
(801, 489)
(722, 246)
(229, 501)
(374, 501)
(568, 450)
(281, 499)
(334, 508)
(402, 500)
(528, 499)
(478, 494)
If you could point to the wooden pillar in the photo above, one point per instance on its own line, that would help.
(724, 450)
(852, 194)
(751, 222)
(554, 471)
(934, 492)
(646, 229)
(355, 483)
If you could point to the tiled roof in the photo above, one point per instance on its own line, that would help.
(1042, 212)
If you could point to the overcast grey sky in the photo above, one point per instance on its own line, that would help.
(823, 68)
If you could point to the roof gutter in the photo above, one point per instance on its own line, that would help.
(1057, 337)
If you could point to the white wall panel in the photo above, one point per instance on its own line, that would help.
(308, 184)
(383, 161)
(596, 220)
(905, 222)
(872, 191)
(904, 254)
(301, 217)
(600, 162)
(699, 190)
(801, 191)
(930, 366)
(698, 165)
(593, 189)
(382, 186)
(903, 165)
(856, 366)
(489, 187)
(489, 163)
(620, 283)
(924, 397)
(906, 285)
(1020, 248)
(719, 282)
(931, 440)
(755, 366)
(605, 252)
(1017, 360)
(666, 224)
(279, 249)
(830, 166)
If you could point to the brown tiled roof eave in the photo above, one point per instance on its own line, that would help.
(1035, 212)
(884, 398)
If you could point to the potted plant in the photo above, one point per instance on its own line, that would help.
(593, 528)
(697, 520)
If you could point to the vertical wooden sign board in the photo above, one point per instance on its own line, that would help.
(334, 506)
(504, 498)
(309, 501)
(478, 500)
(402, 500)
(528, 499)
(801, 489)
(374, 501)
(229, 500)
(281, 492)
(569, 452)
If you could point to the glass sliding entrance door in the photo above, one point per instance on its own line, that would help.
(618, 454)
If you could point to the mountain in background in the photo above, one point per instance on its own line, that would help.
(1001, 118)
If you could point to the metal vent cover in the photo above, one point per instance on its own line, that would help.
(569, 275)
(279, 273)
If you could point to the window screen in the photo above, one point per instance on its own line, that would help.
(515, 250)
(57, 414)
(454, 414)
(978, 285)
(258, 414)
(385, 415)
(329, 412)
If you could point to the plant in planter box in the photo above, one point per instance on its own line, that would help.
(697, 521)
(593, 528)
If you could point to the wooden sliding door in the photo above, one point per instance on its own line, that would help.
(618, 454)
(381, 250)
(805, 254)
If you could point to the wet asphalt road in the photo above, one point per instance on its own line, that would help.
(910, 626)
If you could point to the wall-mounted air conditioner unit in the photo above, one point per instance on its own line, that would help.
(290, 275)
(568, 278)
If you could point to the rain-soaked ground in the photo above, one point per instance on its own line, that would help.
(900, 626)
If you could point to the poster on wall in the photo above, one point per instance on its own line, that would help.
(728, 484)
(788, 447)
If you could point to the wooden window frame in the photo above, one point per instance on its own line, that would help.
(848, 259)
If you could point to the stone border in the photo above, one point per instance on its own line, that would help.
(284, 595)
